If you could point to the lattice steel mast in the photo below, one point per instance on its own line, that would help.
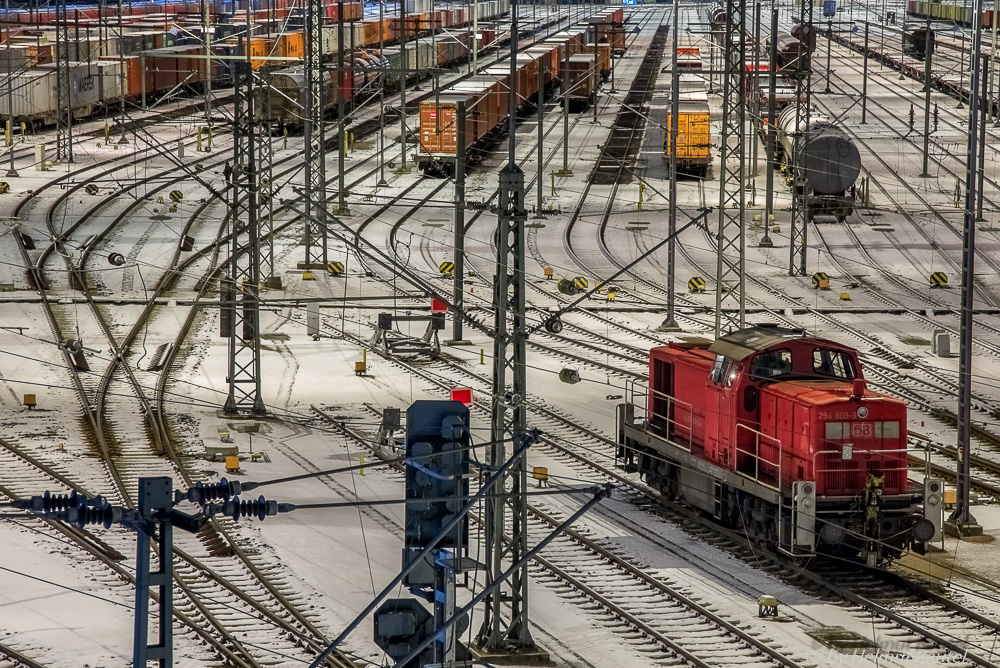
(729, 279)
(265, 180)
(509, 402)
(244, 261)
(798, 232)
(64, 96)
(315, 232)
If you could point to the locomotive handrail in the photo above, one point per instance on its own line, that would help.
(646, 414)
(901, 454)
(758, 458)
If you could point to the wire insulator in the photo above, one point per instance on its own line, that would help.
(52, 503)
(201, 494)
(104, 514)
(260, 508)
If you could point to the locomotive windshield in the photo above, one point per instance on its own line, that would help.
(834, 363)
(771, 364)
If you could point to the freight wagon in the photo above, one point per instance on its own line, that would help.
(484, 97)
(951, 13)
(694, 137)
(821, 161)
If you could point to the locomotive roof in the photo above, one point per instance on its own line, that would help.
(742, 343)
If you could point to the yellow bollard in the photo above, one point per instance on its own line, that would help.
(364, 356)
(198, 141)
(553, 174)
(7, 135)
(362, 462)
(482, 356)
(208, 144)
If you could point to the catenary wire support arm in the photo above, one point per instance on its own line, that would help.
(660, 244)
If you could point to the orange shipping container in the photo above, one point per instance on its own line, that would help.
(371, 30)
(439, 123)
(260, 47)
(133, 75)
(290, 45)
(603, 53)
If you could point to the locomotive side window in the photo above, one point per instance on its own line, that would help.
(834, 363)
(771, 364)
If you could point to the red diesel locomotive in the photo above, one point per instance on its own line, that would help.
(776, 434)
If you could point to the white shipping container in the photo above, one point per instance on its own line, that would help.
(110, 80)
(84, 86)
(330, 47)
(34, 96)
(14, 57)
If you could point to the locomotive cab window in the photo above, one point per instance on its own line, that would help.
(724, 370)
(771, 364)
(834, 363)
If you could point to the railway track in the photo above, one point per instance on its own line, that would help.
(623, 590)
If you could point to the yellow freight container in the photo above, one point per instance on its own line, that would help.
(694, 136)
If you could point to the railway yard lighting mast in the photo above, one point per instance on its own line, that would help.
(729, 278)
(315, 204)
(962, 518)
